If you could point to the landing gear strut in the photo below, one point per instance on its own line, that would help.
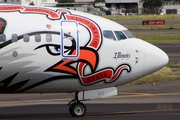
(77, 108)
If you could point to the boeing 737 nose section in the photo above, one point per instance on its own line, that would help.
(154, 58)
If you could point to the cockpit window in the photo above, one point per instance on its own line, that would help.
(120, 35)
(128, 34)
(109, 34)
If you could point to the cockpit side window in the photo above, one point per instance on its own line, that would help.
(120, 35)
(128, 34)
(109, 34)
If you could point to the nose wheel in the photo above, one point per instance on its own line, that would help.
(77, 109)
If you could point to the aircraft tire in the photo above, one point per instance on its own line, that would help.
(77, 109)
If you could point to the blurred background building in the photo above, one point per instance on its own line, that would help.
(109, 7)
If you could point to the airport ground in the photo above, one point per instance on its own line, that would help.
(134, 102)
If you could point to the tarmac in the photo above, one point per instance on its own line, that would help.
(155, 101)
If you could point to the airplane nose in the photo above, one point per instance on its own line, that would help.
(155, 58)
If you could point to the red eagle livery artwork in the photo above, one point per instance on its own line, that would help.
(53, 50)
(87, 58)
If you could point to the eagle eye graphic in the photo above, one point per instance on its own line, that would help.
(52, 49)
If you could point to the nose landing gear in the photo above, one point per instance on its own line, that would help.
(77, 108)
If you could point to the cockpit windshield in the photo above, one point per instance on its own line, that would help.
(128, 34)
(109, 34)
(117, 35)
(120, 35)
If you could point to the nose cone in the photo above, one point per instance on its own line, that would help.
(155, 58)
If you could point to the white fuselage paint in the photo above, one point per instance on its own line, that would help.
(31, 64)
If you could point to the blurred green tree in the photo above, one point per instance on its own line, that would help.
(153, 5)
(99, 1)
(31, 3)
